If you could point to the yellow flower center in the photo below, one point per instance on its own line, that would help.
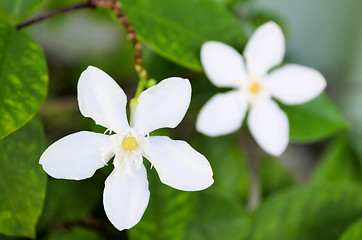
(254, 88)
(129, 143)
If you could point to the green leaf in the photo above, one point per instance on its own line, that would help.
(85, 196)
(225, 2)
(23, 79)
(76, 234)
(315, 120)
(229, 165)
(354, 232)
(15, 10)
(22, 180)
(177, 29)
(308, 213)
(273, 177)
(339, 163)
(217, 218)
(167, 213)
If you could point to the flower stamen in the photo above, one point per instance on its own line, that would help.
(129, 143)
(254, 88)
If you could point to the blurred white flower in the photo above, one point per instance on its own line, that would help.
(79, 155)
(254, 88)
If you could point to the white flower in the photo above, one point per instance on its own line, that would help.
(254, 88)
(79, 155)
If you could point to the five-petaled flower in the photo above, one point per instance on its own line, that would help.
(254, 88)
(79, 155)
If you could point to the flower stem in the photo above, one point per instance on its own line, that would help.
(142, 85)
(131, 35)
(253, 161)
(144, 80)
(254, 188)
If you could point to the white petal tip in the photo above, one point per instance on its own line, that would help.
(101, 98)
(210, 131)
(179, 165)
(295, 84)
(223, 65)
(76, 156)
(265, 48)
(125, 197)
(199, 186)
(276, 152)
(276, 148)
(269, 126)
(271, 24)
(222, 114)
(321, 82)
(200, 128)
(210, 45)
(163, 105)
(91, 69)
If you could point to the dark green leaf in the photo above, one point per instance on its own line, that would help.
(315, 120)
(167, 214)
(85, 195)
(76, 234)
(273, 177)
(23, 79)
(354, 232)
(177, 29)
(308, 213)
(22, 181)
(229, 164)
(339, 163)
(19, 9)
(217, 218)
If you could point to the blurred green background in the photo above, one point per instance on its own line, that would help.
(313, 191)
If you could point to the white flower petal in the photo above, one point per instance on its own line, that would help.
(163, 105)
(76, 156)
(295, 84)
(101, 99)
(269, 126)
(265, 49)
(126, 196)
(178, 164)
(223, 65)
(222, 114)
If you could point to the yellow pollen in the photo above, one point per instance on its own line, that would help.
(254, 88)
(129, 143)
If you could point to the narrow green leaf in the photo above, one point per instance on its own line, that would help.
(273, 177)
(23, 78)
(353, 232)
(315, 120)
(167, 214)
(14, 10)
(177, 29)
(217, 218)
(76, 234)
(229, 165)
(22, 181)
(339, 163)
(308, 213)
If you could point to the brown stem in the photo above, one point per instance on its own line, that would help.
(116, 8)
(87, 4)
